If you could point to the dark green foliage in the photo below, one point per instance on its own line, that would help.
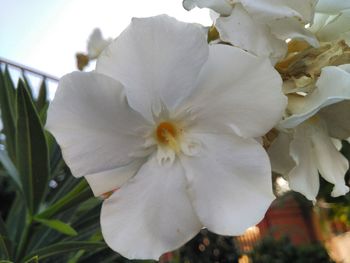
(207, 247)
(270, 250)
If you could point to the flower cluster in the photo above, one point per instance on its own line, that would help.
(170, 130)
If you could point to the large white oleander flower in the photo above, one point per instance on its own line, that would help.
(261, 26)
(304, 146)
(170, 122)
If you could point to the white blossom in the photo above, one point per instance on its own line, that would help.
(304, 147)
(170, 122)
(261, 26)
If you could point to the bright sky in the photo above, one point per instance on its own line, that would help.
(46, 34)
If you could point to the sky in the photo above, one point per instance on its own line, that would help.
(46, 34)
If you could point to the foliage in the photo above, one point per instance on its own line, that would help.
(207, 247)
(270, 250)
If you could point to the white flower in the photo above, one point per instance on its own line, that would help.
(96, 44)
(170, 122)
(332, 21)
(307, 149)
(261, 26)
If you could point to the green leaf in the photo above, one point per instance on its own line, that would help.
(57, 225)
(63, 248)
(27, 85)
(76, 196)
(5, 243)
(10, 169)
(32, 150)
(7, 102)
(34, 259)
(41, 102)
(10, 88)
(16, 218)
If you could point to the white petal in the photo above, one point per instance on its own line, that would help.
(110, 180)
(337, 119)
(220, 6)
(151, 214)
(281, 161)
(93, 124)
(320, 21)
(229, 182)
(331, 163)
(334, 29)
(332, 87)
(292, 28)
(96, 44)
(155, 58)
(303, 178)
(266, 10)
(241, 30)
(239, 90)
(332, 6)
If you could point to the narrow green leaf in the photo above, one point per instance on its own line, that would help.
(32, 150)
(10, 86)
(77, 195)
(34, 259)
(4, 251)
(41, 102)
(5, 243)
(58, 226)
(7, 102)
(63, 248)
(28, 86)
(10, 168)
(16, 218)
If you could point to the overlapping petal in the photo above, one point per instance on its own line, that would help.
(333, 28)
(93, 123)
(330, 162)
(281, 161)
(332, 87)
(248, 99)
(241, 30)
(226, 179)
(111, 180)
(267, 10)
(303, 178)
(220, 6)
(332, 6)
(151, 214)
(156, 59)
(337, 119)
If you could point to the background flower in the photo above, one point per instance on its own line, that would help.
(261, 27)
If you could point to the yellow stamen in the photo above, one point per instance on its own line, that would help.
(167, 133)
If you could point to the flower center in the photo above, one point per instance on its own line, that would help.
(166, 132)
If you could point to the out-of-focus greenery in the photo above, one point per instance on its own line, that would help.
(270, 250)
(207, 247)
